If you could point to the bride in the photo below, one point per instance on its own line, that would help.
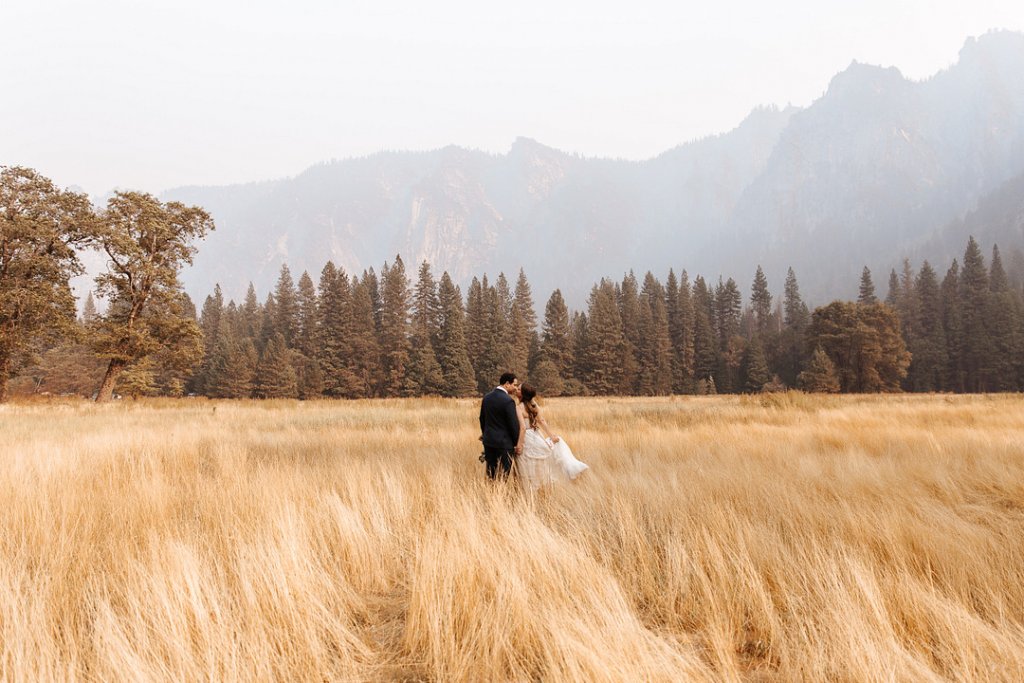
(546, 458)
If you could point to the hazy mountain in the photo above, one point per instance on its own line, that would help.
(878, 167)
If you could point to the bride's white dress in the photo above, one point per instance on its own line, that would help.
(543, 463)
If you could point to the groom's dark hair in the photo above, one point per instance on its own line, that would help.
(506, 378)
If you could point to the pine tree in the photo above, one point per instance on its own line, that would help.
(575, 386)
(892, 297)
(820, 376)
(683, 337)
(305, 340)
(756, 373)
(457, 372)
(522, 323)
(498, 355)
(394, 332)
(427, 306)
(674, 314)
(605, 345)
(978, 351)
(791, 343)
(728, 306)
(705, 343)
(867, 288)
(233, 367)
(251, 313)
(655, 352)
(88, 310)
(334, 334)
(796, 313)
(505, 299)
(372, 282)
(1003, 325)
(556, 337)
(210, 324)
(275, 374)
(268, 323)
(477, 334)
(364, 364)
(423, 375)
(952, 329)
(907, 303)
(628, 296)
(928, 349)
(761, 301)
(287, 299)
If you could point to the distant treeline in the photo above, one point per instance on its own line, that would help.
(385, 335)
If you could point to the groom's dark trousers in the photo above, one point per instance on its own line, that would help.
(499, 426)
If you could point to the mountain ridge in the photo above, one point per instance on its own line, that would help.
(870, 171)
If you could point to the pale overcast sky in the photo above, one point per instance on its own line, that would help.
(151, 95)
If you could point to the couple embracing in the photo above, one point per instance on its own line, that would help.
(515, 433)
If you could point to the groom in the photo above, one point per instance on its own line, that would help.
(499, 427)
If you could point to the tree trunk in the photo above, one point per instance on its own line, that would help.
(5, 373)
(106, 391)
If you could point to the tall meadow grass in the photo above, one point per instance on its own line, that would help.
(784, 537)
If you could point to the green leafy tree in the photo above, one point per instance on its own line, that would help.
(40, 228)
(146, 243)
(864, 343)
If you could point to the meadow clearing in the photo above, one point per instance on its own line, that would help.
(780, 537)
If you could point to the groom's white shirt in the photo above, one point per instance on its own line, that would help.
(500, 388)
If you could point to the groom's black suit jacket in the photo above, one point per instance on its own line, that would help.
(499, 422)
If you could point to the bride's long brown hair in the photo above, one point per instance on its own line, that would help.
(529, 397)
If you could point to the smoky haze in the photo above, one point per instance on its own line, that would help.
(153, 95)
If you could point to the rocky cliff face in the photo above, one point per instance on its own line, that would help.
(873, 170)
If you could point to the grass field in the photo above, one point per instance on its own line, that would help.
(775, 538)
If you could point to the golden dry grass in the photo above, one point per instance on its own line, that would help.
(775, 538)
